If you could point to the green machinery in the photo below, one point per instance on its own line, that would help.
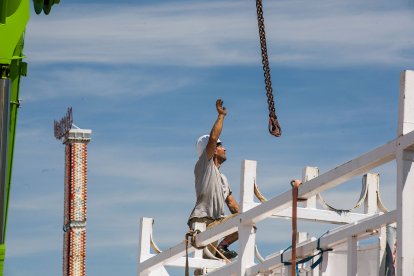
(14, 16)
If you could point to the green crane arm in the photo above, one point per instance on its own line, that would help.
(14, 16)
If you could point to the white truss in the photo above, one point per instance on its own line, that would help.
(355, 226)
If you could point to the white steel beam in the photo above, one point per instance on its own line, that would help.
(197, 263)
(247, 241)
(337, 236)
(247, 234)
(194, 262)
(163, 258)
(352, 256)
(161, 271)
(405, 179)
(309, 173)
(406, 103)
(371, 180)
(405, 205)
(318, 215)
(247, 180)
(350, 169)
(228, 270)
(198, 253)
(324, 216)
(145, 239)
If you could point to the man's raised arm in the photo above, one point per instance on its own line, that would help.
(216, 130)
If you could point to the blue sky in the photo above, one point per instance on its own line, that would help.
(144, 76)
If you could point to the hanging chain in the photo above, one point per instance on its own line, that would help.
(274, 127)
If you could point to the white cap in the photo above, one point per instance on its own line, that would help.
(202, 143)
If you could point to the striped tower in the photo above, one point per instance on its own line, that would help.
(74, 237)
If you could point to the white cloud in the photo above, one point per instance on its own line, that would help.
(141, 165)
(44, 203)
(224, 33)
(26, 245)
(81, 81)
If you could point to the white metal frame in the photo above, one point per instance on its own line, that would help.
(355, 225)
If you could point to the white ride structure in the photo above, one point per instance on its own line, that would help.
(346, 257)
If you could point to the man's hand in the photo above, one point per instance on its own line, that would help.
(221, 110)
(216, 130)
(295, 183)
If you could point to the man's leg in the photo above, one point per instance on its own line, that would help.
(224, 244)
(230, 239)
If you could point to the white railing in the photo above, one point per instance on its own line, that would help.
(356, 226)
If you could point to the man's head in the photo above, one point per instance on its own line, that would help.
(220, 152)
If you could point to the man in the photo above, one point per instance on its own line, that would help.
(212, 188)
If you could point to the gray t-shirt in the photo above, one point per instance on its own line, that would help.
(212, 189)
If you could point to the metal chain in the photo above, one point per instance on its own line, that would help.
(274, 127)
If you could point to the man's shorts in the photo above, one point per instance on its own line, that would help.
(209, 221)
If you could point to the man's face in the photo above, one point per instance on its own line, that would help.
(221, 153)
